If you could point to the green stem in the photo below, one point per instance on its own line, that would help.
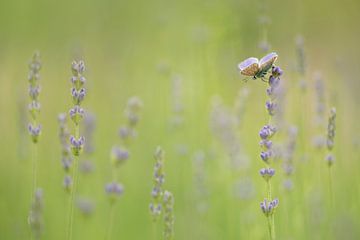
(111, 221)
(34, 170)
(155, 230)
(34, 180)
(269, 226)
(73, 189)
(273, 226)
(330, 188)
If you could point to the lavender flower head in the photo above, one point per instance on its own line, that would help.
(35, 132)
(114, 189)
(77, 145)
(34, 91)
(267, 173)
(331, 129)
(119, 155)
(268, 207)
(168, 203)
(158, 179)
(35, 217)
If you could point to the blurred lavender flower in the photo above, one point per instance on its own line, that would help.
(288, 155)
(168, 203)
(87, 166)
(119, 155)
(223, 125)
(330, 158)
(244, 189)
(331, 129)
(319, 99)
(201, 189)
(114, 189)
(240, 105)
(36, 212)
(86, 206)
(67, 183)
(158, 179)
(132, 113)
(301, 61)
(177, 106)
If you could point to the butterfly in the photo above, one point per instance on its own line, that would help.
(252, 67)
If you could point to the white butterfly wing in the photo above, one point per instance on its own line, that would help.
(267, 61)
(249, 67)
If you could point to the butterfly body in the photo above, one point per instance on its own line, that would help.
(252, 67)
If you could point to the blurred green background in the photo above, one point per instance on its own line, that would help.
(136, 48)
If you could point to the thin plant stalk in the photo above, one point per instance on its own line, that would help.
(111, 221)
(34, 169)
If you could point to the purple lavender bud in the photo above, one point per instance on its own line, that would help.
(67, 183)
(34, 92)
(263, 206)
(267, 173)
(34, 132)
(275, 202)
(119, 155)
(270, 91)
(77, 145)
(114, 189)
(271, 107)
(78, 95)
(133, 119)
(156, 192)
(76, 114)
(125, 132)
(266, 144)
(265, 156)
(77, 67)
(276, 71)
(269, 207)
(267, 132)
(155, 209)
(66, 162)
(330, 159)
(274, 82)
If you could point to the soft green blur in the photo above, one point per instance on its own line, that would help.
(135, 48)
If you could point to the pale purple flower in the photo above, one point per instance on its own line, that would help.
(78, 95)
(67, 183)
(77, 145)
(330, 159)
(76, 114)
(114, 189)
(34, 132)
(119, 155)
(267, 173)
(268, 207)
